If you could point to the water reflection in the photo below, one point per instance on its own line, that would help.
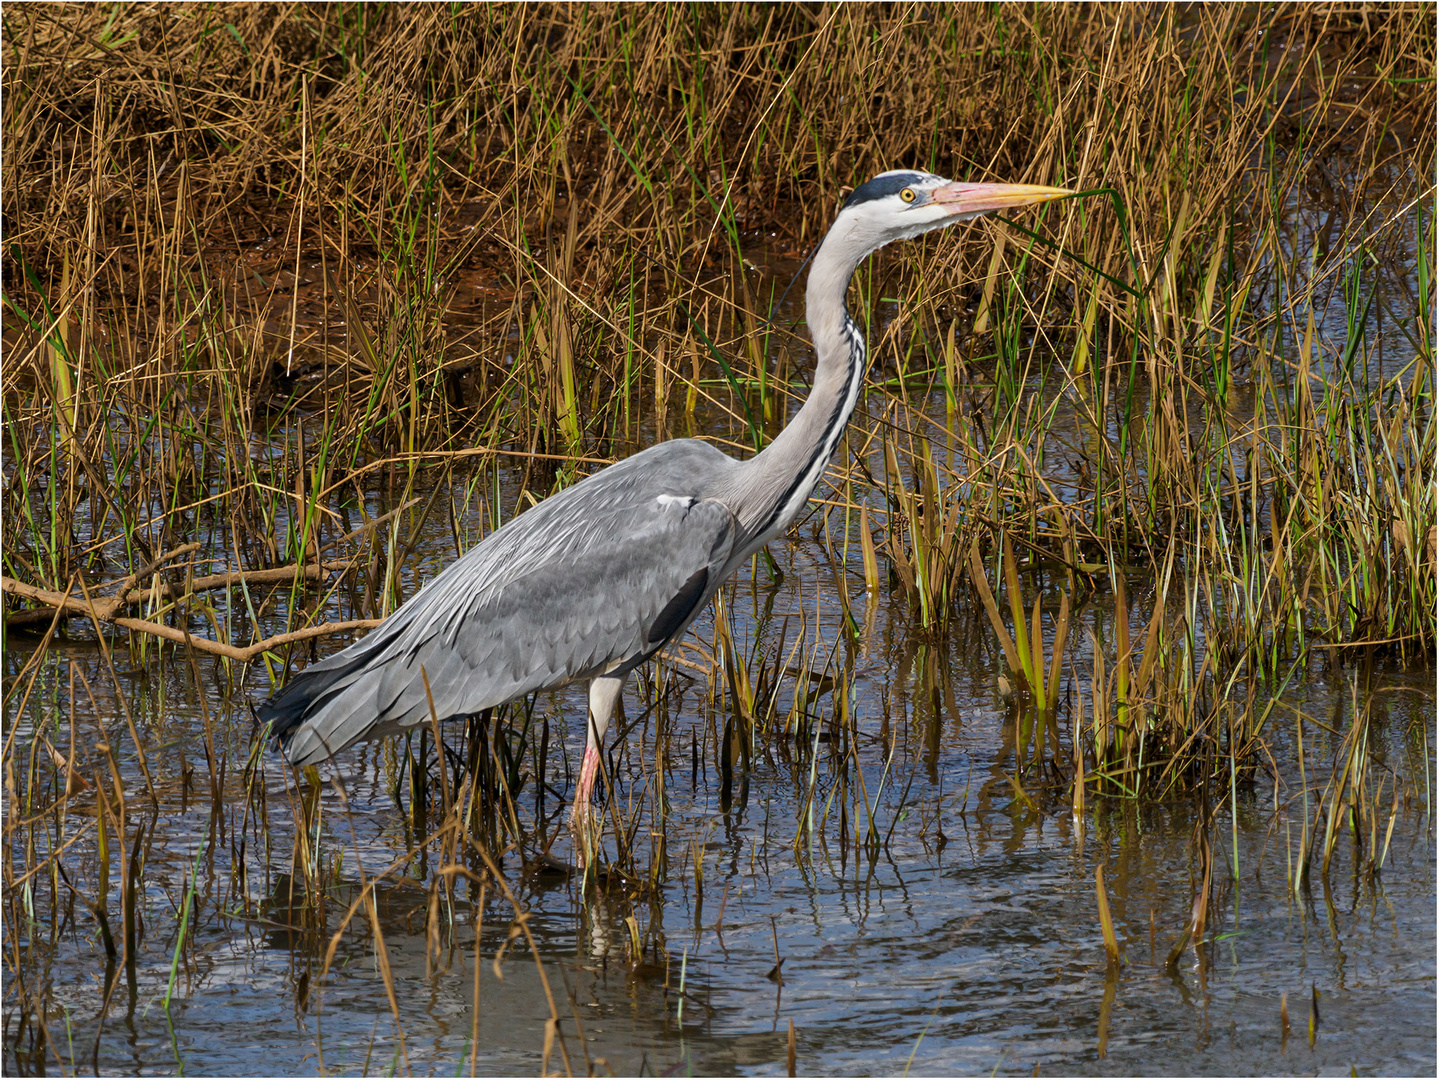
(952, 920)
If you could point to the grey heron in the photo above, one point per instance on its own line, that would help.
(596, 579)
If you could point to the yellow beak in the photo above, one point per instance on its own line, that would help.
(965, 198)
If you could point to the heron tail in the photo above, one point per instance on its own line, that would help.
(315, 699)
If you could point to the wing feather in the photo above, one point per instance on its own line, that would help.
(592, 580)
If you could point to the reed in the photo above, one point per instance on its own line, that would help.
(287, 290)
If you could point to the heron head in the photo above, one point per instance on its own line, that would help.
(901, 204)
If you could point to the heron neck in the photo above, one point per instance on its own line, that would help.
(778, 481)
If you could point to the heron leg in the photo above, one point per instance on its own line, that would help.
(604, 696)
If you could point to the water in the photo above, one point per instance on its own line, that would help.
(966, 941)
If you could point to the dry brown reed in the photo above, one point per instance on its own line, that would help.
(263, 261)
(256, 257)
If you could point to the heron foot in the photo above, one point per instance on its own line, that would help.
(585, 827)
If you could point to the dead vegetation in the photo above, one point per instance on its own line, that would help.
(268, 267)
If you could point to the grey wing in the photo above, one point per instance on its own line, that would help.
(575, 587)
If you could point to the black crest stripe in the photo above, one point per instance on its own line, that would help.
(882, 187)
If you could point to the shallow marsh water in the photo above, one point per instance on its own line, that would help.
(966, 941)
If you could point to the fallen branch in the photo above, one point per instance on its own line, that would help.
(104, 610)
(249, 652)
(110, 604)
(280, 574)
(108, 609)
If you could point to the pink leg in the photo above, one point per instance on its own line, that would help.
(604, 695)
(588, 769)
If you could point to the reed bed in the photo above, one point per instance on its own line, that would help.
(266, 265)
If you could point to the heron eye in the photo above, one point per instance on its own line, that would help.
(907, 194)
